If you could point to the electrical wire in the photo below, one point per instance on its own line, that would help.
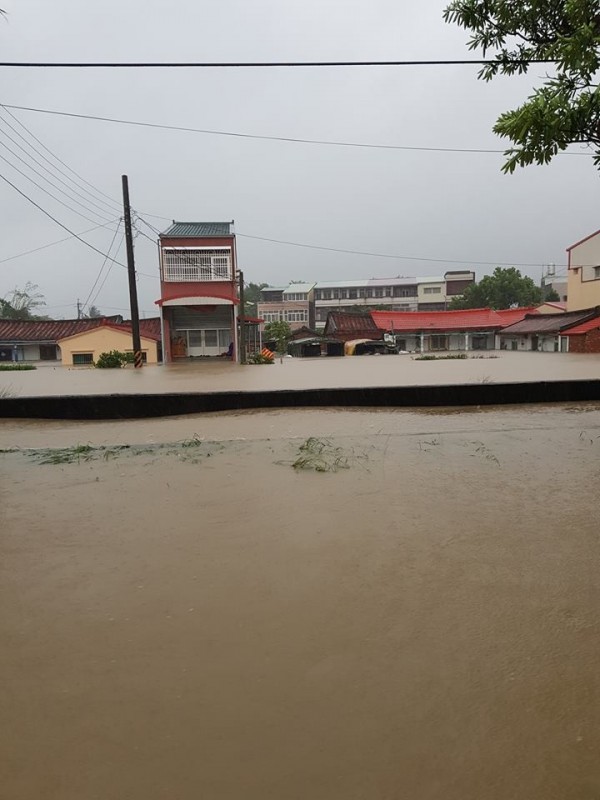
(52, 169)
(41, 188)
(51, 244)
(261, 64)
(291, 139)
(97, 295)
(102, 216)
(64, 227)
(114, 203)
(464, 261)
(101, 270)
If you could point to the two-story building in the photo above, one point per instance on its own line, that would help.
(393, 294)
(583, 273)
(198, 289)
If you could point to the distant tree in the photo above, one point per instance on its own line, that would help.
(550, 295)
(252, 298)
(21, 303)
(514, 35)
(279, 332)
(94, 312)
(503, 289)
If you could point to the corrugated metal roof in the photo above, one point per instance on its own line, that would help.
(198, 229)
(367, 282)
(468, 319)
(302, 288)
(549, 323)
(590, 325)
(340, 323)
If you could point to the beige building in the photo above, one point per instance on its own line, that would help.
(294, 304)
(584, 273)
(83, 349)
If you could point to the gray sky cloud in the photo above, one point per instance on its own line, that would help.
(439, 205)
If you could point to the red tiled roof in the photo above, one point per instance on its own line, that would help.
(467, 319)
(12, 330)
(344, 322)
(590, 325)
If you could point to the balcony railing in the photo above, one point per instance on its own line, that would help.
(196, 266)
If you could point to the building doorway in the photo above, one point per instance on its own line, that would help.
(207, 341)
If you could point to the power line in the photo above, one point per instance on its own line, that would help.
(292, 139)
(464, 261)
(88, 196)
(108, 271)
(51, 244)
(106, 257)
(54, 185)
(64, 227)
(113, 202)
(41, 188)
(261, 64)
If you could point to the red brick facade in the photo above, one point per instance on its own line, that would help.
(585, 342)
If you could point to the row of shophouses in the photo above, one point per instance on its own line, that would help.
(198, 310)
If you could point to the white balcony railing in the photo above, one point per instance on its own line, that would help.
(196, 266)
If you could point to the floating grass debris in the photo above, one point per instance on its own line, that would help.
(321, 455)
(16, 367)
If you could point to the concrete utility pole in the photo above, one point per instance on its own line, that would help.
(133, 300)
(242, 320)
(78, 309)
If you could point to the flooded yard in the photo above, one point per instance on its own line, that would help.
(313, 604)
(298, 373)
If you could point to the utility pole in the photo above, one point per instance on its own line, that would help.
(78, 309)
(133, 301)
(242, 320)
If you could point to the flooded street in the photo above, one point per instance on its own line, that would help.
(189, 609)
(303, 373)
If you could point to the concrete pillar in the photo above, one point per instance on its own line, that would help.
(236, 351)
(466, 341)
(422, 342)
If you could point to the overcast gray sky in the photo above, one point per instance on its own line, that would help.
(449, 206)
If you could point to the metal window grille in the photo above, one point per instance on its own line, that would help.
(196, 266)
(80, 359)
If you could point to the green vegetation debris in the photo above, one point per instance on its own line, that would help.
(321, 455)
(16, 367)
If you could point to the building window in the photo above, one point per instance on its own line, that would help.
(377, 292)
(296, 316)
(82, 359)
(438, 342)
(596, 273)
(432, 290)
(271, 316)
(197, 266)
(294, 296)
(47, 352)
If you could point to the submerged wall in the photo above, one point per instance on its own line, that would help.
(130, 406)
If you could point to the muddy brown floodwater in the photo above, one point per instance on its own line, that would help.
(303, 373)
(193, 617)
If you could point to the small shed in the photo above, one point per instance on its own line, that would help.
(315, 346)
(83, 348)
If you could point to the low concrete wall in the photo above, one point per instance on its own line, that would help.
(131, 406)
